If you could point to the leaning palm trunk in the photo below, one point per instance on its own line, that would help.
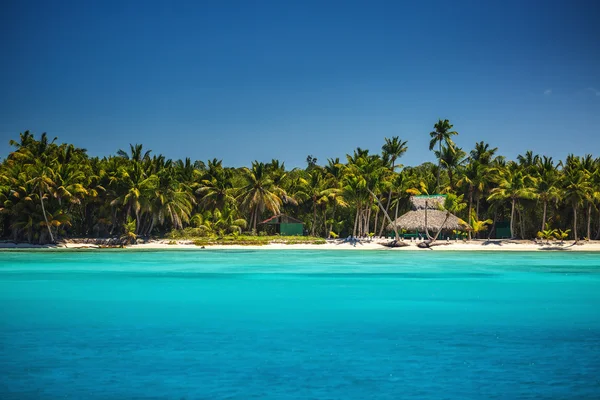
(512, 219)
(385, 213)
(432, 240)
(387, 209)
(544, 216)
(441, 227)
(45, 217)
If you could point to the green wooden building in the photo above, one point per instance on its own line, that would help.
(283, 225)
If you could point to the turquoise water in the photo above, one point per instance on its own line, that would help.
(299, 325)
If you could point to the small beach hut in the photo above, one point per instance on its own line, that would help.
(434, 219)
(284, 225)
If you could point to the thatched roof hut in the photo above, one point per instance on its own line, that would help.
(415, 220)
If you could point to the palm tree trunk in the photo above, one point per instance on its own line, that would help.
(376, 220)
(521, 221)
(326, 234)
(356, 219)
(314, 224)
(441, 227)
(137, 221)
(45, 217)
(575, 223)
(598, 233)
(151, 227)
(512, 219)
(332, 219)
(396, 213)
(470, 209)
(426, 224)
(387, 206)
(544, 215)
(493, 224)
(589, 221)
(255, 217)
(385, 213)
(368, 220)
(437, 184)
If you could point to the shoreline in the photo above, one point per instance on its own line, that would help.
(332, 245)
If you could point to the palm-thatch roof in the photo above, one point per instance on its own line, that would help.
(415, 221)
(431, 202)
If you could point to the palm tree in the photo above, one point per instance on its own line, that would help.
(138, 190)
(393, 149)
(441, 134)
(259, 193)
(335, 171)
(547, 188)
(528, 161)
(314, 188)
(216, 189)
(42, 182)
(472, 177)
(136, 153)
(513, 184)
(576, 190)
(482, 153)
(450, 159)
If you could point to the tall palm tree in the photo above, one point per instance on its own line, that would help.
(42, 182)
(450, 159)
(442, 134)
(314, 187)
(482, 153)
(259, 193)
(472, 177)
(138, 190)
(513, 184)
(216, 189)
(576, 190)
(136, 153)
(392, 149)
(547, 187)
(334, 171)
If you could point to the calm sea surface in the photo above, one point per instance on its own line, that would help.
(299, 325)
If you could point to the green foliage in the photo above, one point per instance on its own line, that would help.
(563, 234)
(129, 236)
(245, 240)
(50, 191)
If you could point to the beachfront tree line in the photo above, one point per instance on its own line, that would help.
(50, 191)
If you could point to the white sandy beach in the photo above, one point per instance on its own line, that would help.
(474, 245)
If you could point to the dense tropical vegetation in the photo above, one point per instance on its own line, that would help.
(50, 191)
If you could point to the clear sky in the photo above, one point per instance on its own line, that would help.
(255, 80)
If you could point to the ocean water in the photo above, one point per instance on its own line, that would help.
(299, 325)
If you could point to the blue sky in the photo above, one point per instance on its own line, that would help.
(255, 80)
